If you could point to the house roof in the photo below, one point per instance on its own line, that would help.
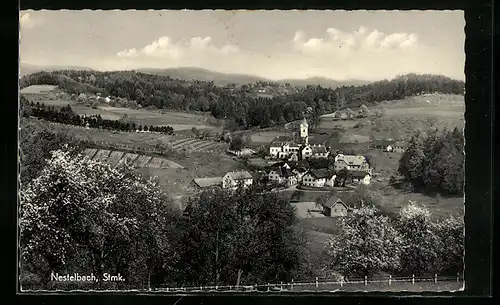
(239, 175)
(358, 174)
(207, 182)
(284, 172)
(399, 144)
(332, 201)
(351, 159)
(320, 173)
(319, 149)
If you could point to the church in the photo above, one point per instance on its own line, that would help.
(300, 148)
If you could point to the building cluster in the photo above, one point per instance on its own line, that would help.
(293, 151)
(390, 145)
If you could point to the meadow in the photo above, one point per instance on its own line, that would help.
(52, 96)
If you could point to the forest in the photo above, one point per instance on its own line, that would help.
(235, 105)
(434, 160)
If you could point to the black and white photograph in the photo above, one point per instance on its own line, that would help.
(266, 151)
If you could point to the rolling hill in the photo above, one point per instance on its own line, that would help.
(219, 79)
(222, 79)
(25, 68)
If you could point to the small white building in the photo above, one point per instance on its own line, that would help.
(233, 180)
(360, 177)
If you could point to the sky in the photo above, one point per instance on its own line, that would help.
(367, 45)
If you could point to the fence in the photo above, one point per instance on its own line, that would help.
(359, 284)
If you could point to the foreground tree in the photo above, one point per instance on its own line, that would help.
(36, 147)
(367, 244)
(451, 234)
(83, 216)
(421, 244)
(247, 236)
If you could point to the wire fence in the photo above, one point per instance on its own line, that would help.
(397, 283)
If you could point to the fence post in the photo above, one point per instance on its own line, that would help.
(366, 282)
(435, 278)
(390, 278)
(281, 286)
(291, 286)
(458, 277)
(413, 279)
(316, 282)
(268, 286)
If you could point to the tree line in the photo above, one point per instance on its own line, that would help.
(238, 107)
(80, 215)
(434, 160)
(65, 115)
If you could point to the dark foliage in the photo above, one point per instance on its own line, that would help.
(435, 161)
(66, 116)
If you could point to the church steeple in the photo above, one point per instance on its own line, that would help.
(304, 131)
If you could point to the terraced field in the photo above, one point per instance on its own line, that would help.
(144, 140)
(116, 157)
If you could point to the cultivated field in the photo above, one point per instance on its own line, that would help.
(402, 117)
(49, 95)
(144, 140)
(116, 157)
(38, 89)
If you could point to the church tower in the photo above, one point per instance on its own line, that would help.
(304, 132)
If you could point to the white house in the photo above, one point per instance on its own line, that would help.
(306, 152)
(233, 180)
(282, 150)
(352, 163)
(317, 178)
(360, 177)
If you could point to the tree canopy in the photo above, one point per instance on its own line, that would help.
(83, 216)
(435, 160)
(247, 234)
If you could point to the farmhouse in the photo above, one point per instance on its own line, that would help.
(384, 144)
(352, 163)
(207, 182)
(360, 177)
(283, 175)
(317, 178)
(335, 207)
(233, 180)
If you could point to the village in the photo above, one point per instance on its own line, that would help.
(288, 168)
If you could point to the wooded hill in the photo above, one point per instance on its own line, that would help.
(235, 105)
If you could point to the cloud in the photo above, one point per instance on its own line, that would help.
(26, 21)
(164, 47)
(336, 40)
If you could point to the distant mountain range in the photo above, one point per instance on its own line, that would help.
(222, 79)
(219, 79)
